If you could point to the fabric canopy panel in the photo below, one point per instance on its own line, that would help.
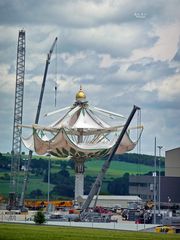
(62, 146)
(80, 117)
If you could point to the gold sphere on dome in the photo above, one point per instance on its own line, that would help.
(80, 95)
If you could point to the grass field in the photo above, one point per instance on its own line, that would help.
(117, 169)
(35, 232)
(34, 183)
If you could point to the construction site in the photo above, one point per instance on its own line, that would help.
(83, 132)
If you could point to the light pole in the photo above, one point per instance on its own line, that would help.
(169, 203)
(154, 176)
(159, 180)
(49, 172)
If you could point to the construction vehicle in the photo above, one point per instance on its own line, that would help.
(166, 229)
(169, 225)
(95, 190)
(39, 204)
(149, 204)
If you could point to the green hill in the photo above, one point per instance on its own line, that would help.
(127, 163)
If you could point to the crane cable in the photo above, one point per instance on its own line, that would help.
(55, 87)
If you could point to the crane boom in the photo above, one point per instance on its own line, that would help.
(96, 187)
(21, 203)
(44, 81)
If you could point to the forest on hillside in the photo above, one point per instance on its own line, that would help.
(62, 175)
(5, 160)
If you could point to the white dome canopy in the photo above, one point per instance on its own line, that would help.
(80, 133)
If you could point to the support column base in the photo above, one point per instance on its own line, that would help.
(79, 184)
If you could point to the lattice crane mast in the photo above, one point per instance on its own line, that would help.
(18, 113)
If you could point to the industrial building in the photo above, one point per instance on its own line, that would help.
(143, 186)
(172, 163)
(110, 201)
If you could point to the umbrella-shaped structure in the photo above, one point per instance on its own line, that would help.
(80, 134)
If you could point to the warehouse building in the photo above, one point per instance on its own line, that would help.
(143, 185)
(172, 163)
(108, 201)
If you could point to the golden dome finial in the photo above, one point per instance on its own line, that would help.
(80, 95)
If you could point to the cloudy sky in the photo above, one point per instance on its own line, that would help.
(122, 52)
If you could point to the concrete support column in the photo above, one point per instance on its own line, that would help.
(79, 177)
(79, 184)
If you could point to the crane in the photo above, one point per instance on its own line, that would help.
(98, 182)
(44, 81)
(21, 202)
(18, 113)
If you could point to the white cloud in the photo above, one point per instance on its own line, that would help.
(7, 79)
(168, 89)
(119, 59)
(162, 49)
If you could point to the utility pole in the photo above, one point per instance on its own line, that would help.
(154, 175)
(159, 180)
(49, 176)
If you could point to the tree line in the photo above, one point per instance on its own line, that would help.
(140, 159)
(64, 183)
